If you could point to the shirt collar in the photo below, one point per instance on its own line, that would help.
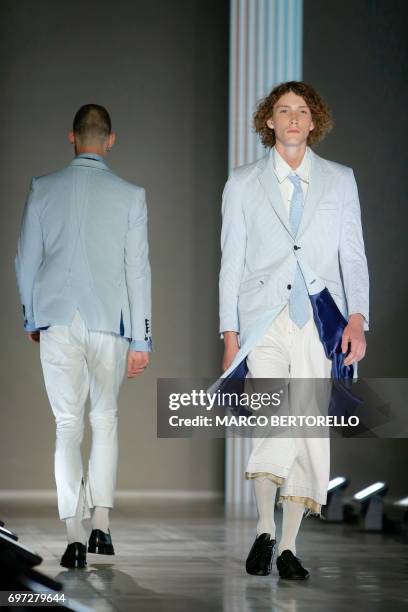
(94, 156)
(282, 168)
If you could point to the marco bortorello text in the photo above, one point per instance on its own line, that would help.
(293, 407)
(258, 408)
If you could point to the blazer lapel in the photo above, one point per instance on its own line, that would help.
(317, 184)
(270, 184)
(315, 191)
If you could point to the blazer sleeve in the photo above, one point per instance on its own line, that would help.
(29, 257)
(138, 276)
(352, 254)
(233, 247)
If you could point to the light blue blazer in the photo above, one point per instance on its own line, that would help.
(258, 250)
(83, 245)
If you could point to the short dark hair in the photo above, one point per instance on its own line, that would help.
(92, 122)
(321, 114)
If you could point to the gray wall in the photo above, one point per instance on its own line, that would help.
(355, 54)
(160, 67)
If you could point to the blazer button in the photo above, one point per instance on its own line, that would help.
(296, 247)
(289, 287)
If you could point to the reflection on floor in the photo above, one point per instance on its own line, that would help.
(178, 557)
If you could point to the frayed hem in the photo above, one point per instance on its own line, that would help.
(312, 508)
(276, 479)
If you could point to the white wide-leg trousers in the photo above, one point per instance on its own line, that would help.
(76, 362)
(299, 465)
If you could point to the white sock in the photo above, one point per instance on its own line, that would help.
(100, 518)
(75, 528)
(292, 517)
(265, 495)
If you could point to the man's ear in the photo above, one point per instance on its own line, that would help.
(71, 137)
(269, 123)
(312, 127)
(110, 141)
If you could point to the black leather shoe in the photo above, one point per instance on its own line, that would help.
(259, 561)
(74, 556)
(290, 567)
(100, 542)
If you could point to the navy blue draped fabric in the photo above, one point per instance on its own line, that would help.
(330, 324)
(235, 383)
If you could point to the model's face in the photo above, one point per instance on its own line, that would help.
(291, 119)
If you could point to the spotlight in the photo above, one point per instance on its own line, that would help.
(372, 505)
(340, 482)
(335, 508)
(378, 488)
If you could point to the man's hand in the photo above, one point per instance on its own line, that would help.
(137, 363)
(33, 336)
(231, 348)
(354, 334)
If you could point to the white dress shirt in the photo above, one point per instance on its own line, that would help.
(282, 171)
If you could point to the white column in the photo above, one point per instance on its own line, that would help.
(265, 49)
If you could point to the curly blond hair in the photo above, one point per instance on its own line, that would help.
(321, 114)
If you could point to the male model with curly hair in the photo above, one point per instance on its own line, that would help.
(291, 226)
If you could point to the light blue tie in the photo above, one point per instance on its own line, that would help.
(299, 310)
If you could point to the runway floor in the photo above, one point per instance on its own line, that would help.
(178, 557)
